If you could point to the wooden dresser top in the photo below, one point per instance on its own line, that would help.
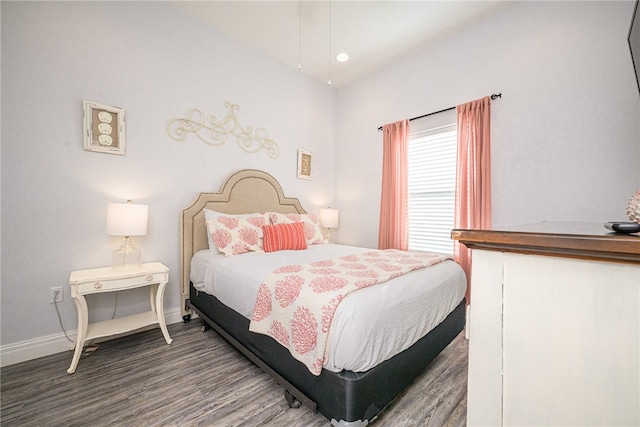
(586, 240)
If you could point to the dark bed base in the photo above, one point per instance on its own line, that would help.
(346, 398)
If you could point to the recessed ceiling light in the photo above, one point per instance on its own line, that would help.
(342, 57)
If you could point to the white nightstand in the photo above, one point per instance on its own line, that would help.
(97, 280)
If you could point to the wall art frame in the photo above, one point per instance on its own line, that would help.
(304, 164)
(103, 128)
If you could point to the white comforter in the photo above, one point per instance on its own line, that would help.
(369, 326)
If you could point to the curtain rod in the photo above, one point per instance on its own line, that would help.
(493, 98)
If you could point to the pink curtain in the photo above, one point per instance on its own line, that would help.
(394, 208)
(473, 176)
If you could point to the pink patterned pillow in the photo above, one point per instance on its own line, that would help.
(311, 223)
(208, 217)
(234, 235)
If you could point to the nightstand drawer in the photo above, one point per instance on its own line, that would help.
(112, 284)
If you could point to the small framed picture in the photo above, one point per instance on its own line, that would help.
(304, 164)
(103, 128)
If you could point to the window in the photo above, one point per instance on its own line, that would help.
(432, 187)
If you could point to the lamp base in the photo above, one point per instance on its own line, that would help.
(127, 257)
(328, 237)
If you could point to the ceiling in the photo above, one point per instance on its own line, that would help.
(373, 33)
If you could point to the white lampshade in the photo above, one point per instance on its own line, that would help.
(127, 219)
(329, 218)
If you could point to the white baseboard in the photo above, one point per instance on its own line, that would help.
(58, 343)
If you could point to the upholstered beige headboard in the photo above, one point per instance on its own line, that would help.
(247, 191)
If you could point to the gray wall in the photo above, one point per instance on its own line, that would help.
(565, 135)
(156, 63)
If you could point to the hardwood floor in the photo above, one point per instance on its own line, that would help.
(198, 380)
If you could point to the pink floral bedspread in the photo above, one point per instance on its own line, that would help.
(296, 303)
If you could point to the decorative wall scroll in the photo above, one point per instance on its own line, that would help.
(103, 128)
(214, 132)
(304, 164)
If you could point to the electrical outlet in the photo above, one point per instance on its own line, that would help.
(56, 295)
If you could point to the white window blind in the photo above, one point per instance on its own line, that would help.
(432, 181)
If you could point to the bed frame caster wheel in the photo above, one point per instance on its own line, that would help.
(186, 318)
(205, 326)
(291, 400)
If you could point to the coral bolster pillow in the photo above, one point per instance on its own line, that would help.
(310, 222)
(281, 237)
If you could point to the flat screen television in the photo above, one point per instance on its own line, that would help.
(634, 42)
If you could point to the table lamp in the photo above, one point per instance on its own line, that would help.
(329, 218)
(127, 219)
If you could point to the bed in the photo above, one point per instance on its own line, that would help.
(346, 397)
